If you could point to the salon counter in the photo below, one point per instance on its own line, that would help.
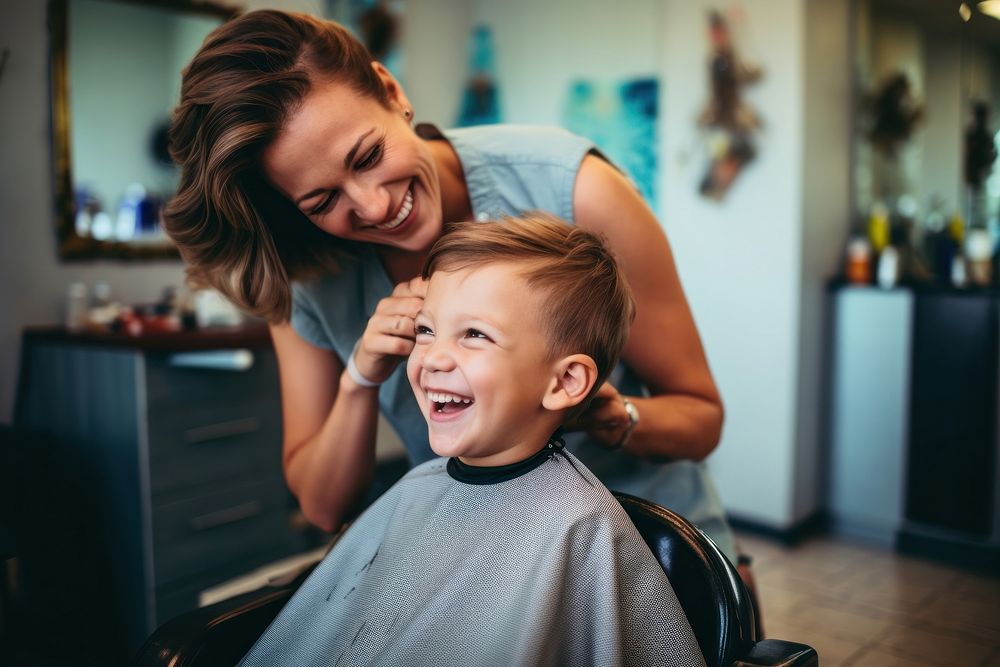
(181, 435)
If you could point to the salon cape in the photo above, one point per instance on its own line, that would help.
(542, 569)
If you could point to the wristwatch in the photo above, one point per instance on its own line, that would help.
(633, 419)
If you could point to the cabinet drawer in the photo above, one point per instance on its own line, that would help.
(213, 443)
(198, 535)
(169, 386)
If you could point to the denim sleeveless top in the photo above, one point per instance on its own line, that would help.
(509, 169)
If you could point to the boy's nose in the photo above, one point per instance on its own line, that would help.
(438, 358)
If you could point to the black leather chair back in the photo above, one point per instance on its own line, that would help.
(706, 583)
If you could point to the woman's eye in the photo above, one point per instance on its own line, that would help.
(325, 204)
(371, 158)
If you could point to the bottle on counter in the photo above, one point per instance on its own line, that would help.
(77, 306)
(858, 267)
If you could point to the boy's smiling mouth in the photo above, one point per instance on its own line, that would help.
(444, 403)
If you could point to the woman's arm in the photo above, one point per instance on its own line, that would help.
(328, 449)
(329, 419)
(682, 419)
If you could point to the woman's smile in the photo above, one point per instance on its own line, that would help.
(405, 214)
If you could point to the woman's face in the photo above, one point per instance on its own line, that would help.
(356, 169)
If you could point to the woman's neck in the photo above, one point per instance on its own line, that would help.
(455, 203)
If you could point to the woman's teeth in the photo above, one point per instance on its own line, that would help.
(404, 211)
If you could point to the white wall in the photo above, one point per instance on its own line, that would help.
(740, 259)
(542, 46)
(826, 212)
(434, 39)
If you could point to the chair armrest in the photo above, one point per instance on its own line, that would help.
(778, 653)
(219, 634)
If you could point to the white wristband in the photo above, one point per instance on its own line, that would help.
(352, 370)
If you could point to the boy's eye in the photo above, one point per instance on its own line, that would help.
(423, 330)
(371, 158)
(476, 333)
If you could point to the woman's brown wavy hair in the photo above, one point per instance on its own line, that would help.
(236, 233)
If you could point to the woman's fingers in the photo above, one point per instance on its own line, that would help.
(606, 418)
(402, 305)
(417, 287)
(389, 336)
(392, 325)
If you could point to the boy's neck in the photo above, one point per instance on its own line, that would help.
(523, 446)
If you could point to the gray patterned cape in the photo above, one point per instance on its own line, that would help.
(542, 569)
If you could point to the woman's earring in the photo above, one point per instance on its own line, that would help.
(408, 115)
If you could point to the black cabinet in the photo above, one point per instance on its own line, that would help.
(953, 413)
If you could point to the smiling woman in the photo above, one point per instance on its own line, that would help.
(309, 197)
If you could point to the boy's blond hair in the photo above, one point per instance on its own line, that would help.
(586, 303)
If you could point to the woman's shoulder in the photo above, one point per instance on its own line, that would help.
(514, 143)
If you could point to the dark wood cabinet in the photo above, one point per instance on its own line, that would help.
(183, 459)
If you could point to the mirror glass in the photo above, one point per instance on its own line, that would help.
(116, 74)
(927, 85)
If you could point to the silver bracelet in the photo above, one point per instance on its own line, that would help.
(633, 419)
(352, 370)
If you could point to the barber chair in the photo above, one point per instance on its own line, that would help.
(706, 583)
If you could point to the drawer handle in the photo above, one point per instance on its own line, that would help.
(193, 436)
(227, 516)
(222, 360)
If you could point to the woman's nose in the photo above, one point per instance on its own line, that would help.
(371, 201)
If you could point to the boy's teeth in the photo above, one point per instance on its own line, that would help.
(404, 211)
(438, 397)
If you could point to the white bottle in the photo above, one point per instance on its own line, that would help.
(887, 275)
(76, 306)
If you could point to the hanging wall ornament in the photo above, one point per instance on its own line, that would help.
(729, 122)
(480, 101)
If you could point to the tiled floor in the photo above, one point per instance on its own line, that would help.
(861, 606)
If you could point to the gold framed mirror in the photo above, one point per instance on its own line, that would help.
(115, 68)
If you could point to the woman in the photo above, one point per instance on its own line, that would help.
(306, 195)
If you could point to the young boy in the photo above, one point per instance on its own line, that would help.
(509, 551)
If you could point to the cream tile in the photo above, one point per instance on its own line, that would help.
(876, 657)
(843, 623)
(976, 587)
(934, 646)
(832, 650)
(779, 602)
(858, 605)
(977, 617)
(786, 579)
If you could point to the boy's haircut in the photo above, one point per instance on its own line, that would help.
(586, 303)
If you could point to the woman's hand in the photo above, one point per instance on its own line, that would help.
(389, 336)
(605, 419)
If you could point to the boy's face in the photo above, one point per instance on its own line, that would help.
(480, 366)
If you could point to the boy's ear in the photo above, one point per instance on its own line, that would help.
(572, 380)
